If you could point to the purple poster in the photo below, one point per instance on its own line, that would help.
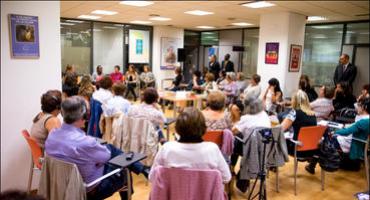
(272, 53)
(24, 31)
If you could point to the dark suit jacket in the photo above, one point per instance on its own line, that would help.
(215, 69)
(348, 76)
(229, 66)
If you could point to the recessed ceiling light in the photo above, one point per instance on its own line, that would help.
(74, 21)
(119, 25)
(160, 18)
(67, 24)
(205, 27)
(137, 3)
(241, 24)
(88, 17)
(258, 4)
(110, 27)
(198, 12)
(140, 22)
(97, 30)
(315, 18)
(322, 27)
(104, 12)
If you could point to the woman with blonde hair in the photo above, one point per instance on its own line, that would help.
(216, 118)
(300, 116)
(86, 87)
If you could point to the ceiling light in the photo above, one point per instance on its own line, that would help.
(315, 18)
(322, 27)
(97, 30)
(119, 25)
(104, 12)
(67, 24)
(198, 12)
(205, 27)
(137, 3)
(241, 24)
(74, 21)
(88, 17)
(110, 27)
(258, 4)
(160, 18)
(140, 22)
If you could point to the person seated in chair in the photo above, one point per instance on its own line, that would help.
(343, 97)
(323, 106)
(147, 78)
(103, 94)
(196, 82)
(190, 151)
(214, 114)
(177, 80)
(117, 104)
(70, 144)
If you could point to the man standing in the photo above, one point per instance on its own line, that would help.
(227, 65)
(214, 66)
(345, 71)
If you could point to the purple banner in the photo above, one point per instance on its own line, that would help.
(24, 36)
(272, 53)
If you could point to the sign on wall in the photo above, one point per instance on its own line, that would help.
(272, 53)
(169, 48)
(295, 58)
(138, 46)
(24, 36)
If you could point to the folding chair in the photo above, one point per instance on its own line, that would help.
(214, 136)
(308, 139)
(366, 158)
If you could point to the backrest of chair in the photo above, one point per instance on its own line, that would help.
(310, 137)
(214, 136)
(34, 147)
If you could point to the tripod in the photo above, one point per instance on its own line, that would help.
(261, 176)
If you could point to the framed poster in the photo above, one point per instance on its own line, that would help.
(169, 48)
(272, 53)
(295, 57)
(24, 36)
(138, 46)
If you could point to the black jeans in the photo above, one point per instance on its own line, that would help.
(131, 88)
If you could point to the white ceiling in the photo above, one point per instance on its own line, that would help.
(225, 12)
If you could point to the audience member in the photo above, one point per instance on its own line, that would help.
(345, 71)
(70, 70)
(117, 76)
(98, 75)
(343, 97)
(227, 64)
(147, 78)
(177, 80)
(273, 96)
(209, 84)
(230, 88)
(103, 94)
(190, 151)
(214, 66)
(117, 104)
(361, 109)
(69, 143)
(47, 119)
(214, 113)
(323, 106)
(70, 85)
(132, 79)
(304, 84)
(365, 92)
(241, 83)
(221, 81)
(86, 88)
(253, 91)
(196, 83)
(19, 195)
(236, 111)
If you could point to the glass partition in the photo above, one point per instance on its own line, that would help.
(250, 54)
(357, 33)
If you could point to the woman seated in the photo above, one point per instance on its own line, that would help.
(221, 81)
(365, 92)
(177, 80)
(196, 83)
(230, 88)
(343, 97)
(273, 96)
(117, 104)
(117, 76)
(254, 89)
(131, 77)
(47, 119)
(236, 111)
(241, 82)
(209, 85)
(304, 84)
(103, 94)
(323, 106)
(70, 85)
(147, 78)
(214, 114)
(98, 75)
(299, 116)
(86, 88)
(190, 151)
(344, 141)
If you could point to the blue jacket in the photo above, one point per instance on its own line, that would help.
(96, 111)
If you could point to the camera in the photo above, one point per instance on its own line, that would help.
(266, 135)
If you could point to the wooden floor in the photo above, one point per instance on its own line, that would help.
(338, 185)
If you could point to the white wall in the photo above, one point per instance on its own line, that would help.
(228, 39)
(22, 83)
(158, 33)
(285, 28)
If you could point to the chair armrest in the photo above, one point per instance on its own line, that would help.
(360, 140)
(296, 142)
(102, 177)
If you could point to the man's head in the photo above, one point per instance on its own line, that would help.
(344, 59)
(74, 111)
(227, 56)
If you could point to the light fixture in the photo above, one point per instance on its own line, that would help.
(110, 27)
(97, 30)
(104, 12)
(136, 3)
(205, 27)
(258, 4)
(140, 22)
(322, 27)
(67, 24)
(241, 24)
(160, 18)
(315, 18)
(198, 12)
(74, 21)
(88, 17)
(119, 25)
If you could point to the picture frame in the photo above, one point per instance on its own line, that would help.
(295, 58)
(272, 53)
(24, 36)
(169, 55)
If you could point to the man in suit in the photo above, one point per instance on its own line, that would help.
(227, 65)
(345, 71)
(214, 66)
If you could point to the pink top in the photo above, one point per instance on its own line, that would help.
(116, 77)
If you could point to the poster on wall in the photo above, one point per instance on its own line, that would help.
(138, 46)
(169, 48)
(24, 36)
(295, 58)
(272, 53)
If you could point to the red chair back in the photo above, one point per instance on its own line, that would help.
(35, 148)
(214, 136)
(310, 137)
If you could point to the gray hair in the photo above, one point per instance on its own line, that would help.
(253, 105)
(231, 75)
(73, 109)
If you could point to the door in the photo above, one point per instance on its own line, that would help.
(361, 61)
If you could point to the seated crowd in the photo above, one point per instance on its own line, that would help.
(232, 103)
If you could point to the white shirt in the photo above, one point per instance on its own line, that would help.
(322, 107)
(247, 121)
(102, 95)
(252, 91)
(268, 101)
(116, 104)
(204, 155)
(148, 112)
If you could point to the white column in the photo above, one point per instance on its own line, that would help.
(286, 29)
